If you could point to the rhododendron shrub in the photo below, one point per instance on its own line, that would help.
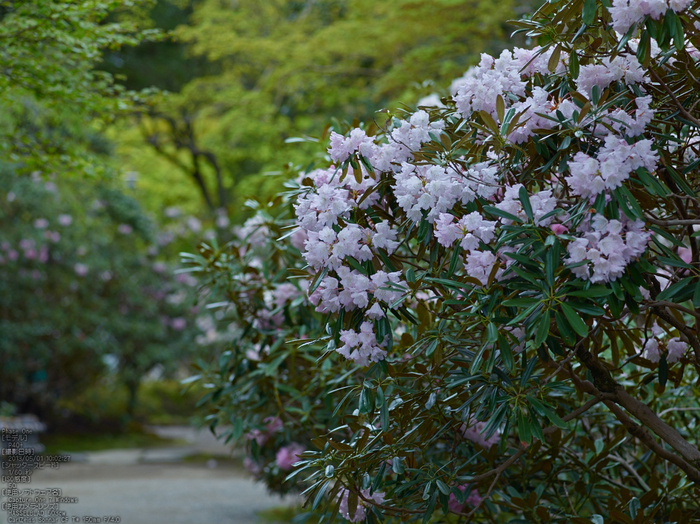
(81, 286)
(508, 286)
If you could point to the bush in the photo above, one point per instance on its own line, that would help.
(502, 292)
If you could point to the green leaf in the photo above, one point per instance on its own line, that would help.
(528, 372)
(588, 309)
(320, 493)
(398, 465)
(536, 428)
(575, 321)
(524, 428)
(589, 9)
(663, 370)
(696, 295)
(672, 291)
(643, 47)
(491, 332)
(520, 301)
(366, 401)
(542, 329)
(494, 211)
(506, 352)
(489, 121)
(525, 201)
(383, 409)
(574, 68)
(554, 59)
(593, 291)
(548, 412)
(442, 486)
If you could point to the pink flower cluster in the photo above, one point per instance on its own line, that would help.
(607, 247)
(622, 67)
(436, 190)
(615, 161)
(334, 233)
(470, 229)
(275, 299)
(407, 137)
(626, 13)
(542, 203)
(355, 289)
(287, 456)
(361, 511)
(479, 91)
(361, 347)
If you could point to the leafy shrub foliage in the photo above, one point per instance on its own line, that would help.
(487, 309)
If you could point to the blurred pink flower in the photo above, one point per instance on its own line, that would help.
(26, 243)
(178, 323)
(274, 424)
(31, 254)
(360, 511)
(288, 455)
(41, 223)
(80, 269)
(159, 267)
(125, 229)
(44, 254)
(473, 431)
(474, 499)
(65, 220)
(685, 254)
(252, 466)
(5, 246)
(12, 254)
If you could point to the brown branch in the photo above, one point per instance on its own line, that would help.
(603, 381)
(677, 103)
(643, 435)
(683, 222)
(673, 305)
(650, 419)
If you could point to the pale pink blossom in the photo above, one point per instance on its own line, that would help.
(559, 229)
(473, 430)
(362, 504)
(676, 349)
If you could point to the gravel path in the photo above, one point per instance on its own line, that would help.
(154, 486)
(159, 493)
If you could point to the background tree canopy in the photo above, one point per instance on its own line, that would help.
(249, 75)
